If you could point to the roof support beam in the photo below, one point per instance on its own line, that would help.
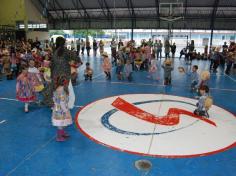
(48, 15)
(103, 11)
(76, 4)
(84, 9)
(53, 6)
(103, 5)
(63, 11)
(158, 13)
(131, 12)
(131, 8)
(86, 15)
(213, 17)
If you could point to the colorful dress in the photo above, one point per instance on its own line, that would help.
(24, 90)
(106, 65)
(61, 116)
(101, 47)
(59, 67)
(148, 52)
(35, 79)
(153, 69)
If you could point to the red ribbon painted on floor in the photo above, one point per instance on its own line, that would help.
(172, 117)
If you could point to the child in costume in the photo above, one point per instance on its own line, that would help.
(153, 68)
(204, 102)
(24, 90)
(61, 116)
(6, 62)
(138, 60)
(128, 69)
(119, 69)
(194, 78)
(74, 72)
(35, 77)
(167, 71)
(88, 72)
(204, 78)
(106, 66)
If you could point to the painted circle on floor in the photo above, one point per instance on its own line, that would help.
(157, 125)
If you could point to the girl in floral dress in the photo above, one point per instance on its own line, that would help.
(61, 116)
(35, 77)
(24, 90)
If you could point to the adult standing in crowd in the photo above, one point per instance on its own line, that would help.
(95, 47)
(36, 43)
(225, 46)
(113, 50)
(173, 50)
(159, 49)
(88, 47)
(120, 44)
(78, 43)
(82, 46)
(167, 49)
(190, 51)
(59, 67)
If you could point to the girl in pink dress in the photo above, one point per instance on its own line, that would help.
(24, 90)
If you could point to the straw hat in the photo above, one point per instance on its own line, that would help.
(208, 103)
(218, 49)
(168, 62)
(205, 75)
(105, 54)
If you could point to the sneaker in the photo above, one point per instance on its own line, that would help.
(60, 139)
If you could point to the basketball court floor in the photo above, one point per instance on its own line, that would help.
(117, 123)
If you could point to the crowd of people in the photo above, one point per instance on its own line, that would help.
(49, 70)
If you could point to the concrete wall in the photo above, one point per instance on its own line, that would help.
(41, 35)
(32, 13)
(19, 10)
(11, 11)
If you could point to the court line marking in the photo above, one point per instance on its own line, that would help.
(158, 85)
(78, 106)
(11, 99)
(30, 155)
(230, 78)
(3, 121)
(96, 76)
(155, 126)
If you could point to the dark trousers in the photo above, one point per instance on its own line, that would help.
(228, 68)
(159, 53)
(215, 65)
(108, 75)
(88, 51)
(167, 81)
(78, 49)
(88, 77)
(129, 77)
(167, 55)
(82, 49)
